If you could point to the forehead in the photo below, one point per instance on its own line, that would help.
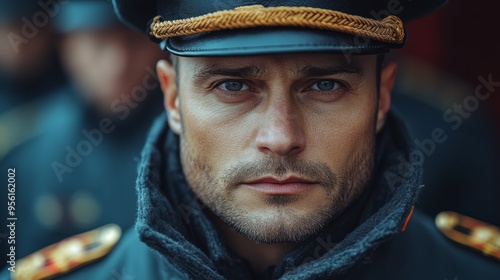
(288, 62)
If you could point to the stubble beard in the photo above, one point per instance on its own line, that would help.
(280, 224)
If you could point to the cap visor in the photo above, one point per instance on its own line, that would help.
(271, 41)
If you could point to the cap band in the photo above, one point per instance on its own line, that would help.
(388, 30)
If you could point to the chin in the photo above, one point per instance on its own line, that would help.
(278, 224)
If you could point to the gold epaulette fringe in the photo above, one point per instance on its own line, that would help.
(389, 29)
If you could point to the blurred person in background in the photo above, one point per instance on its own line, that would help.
(29, 69)
(80, 173)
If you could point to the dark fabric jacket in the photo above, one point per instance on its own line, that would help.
(461, 174)
(175, 240)
(96, 171)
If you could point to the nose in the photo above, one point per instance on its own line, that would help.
(281, 132)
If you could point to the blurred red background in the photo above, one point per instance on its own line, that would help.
(461, 39)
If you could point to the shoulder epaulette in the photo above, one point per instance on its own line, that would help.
(69, 254)
(478, 235)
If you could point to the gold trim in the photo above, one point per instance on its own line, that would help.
(389, 29)
(69, 254)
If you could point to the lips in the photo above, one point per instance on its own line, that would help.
(287, 186)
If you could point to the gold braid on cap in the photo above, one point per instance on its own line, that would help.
(388, 30)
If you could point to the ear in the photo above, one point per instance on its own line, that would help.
(387, 78)
(167, 77)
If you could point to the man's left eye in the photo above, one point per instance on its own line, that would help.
(325, 85)
(233, 86)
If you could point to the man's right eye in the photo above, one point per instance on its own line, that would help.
(233, 86)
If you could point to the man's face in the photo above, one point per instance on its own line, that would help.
(277, 146)
(108, 63)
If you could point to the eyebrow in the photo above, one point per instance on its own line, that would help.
(255, 72)
(250, 71)
(314, 71)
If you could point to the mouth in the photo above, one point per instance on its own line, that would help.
(287, 186)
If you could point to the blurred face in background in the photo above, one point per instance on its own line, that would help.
(25, 58)
(106, 64)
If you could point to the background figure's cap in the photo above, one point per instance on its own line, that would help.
(16, 9)
(252, 27)
(78, 15)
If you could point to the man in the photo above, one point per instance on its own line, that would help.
(101, 55)
(80, 172)
(29, 70)
(27, 54)
(279, 157)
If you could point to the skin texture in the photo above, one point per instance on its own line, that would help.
(309, 116)
(105, 63)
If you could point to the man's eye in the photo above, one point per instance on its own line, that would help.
(325, 85)
(232, 86)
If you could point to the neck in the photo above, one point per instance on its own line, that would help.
(259, 256)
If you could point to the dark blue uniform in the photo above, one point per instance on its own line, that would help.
(460, 174)
(21, 102)
(79, 173)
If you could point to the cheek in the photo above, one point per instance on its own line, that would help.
(215, 135)
(199, 130)
(83, 62)
(337, 137)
